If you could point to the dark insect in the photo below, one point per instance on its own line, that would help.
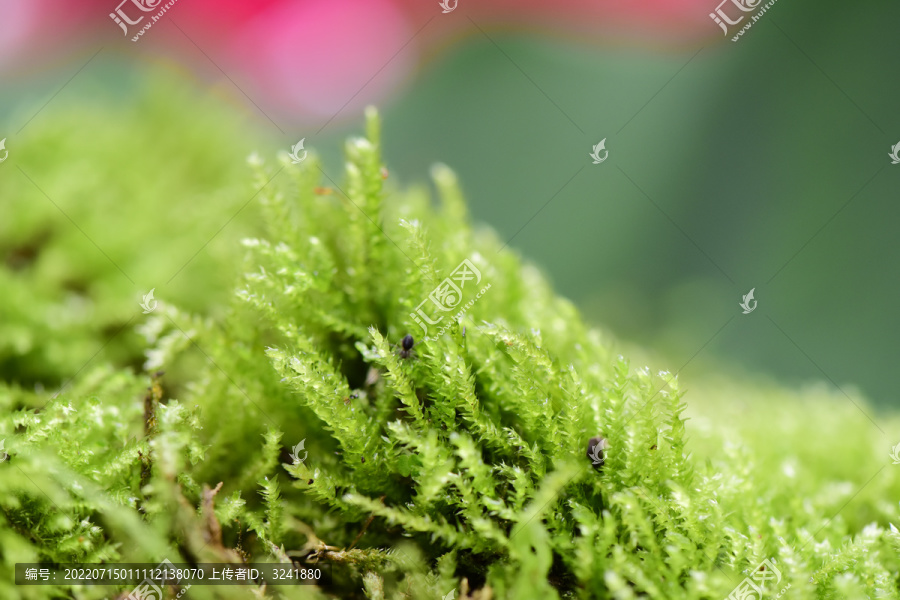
(596, 446)
(406, 346)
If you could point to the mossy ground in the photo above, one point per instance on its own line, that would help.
(461, 467)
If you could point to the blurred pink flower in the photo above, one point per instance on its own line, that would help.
(319, 54)
(308, 59)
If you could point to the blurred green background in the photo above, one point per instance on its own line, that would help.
(758, 164)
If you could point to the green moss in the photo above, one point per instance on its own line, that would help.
(104, 200)
(461, 466)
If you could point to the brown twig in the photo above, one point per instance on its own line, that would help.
(151, 402)
(212, 523)
(365, 527)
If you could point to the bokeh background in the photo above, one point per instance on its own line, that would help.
(761, 163)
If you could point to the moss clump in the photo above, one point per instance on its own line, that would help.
(457, 466)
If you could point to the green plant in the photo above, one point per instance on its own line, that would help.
(460, 467)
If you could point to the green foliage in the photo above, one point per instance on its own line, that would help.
(104, 199)
(459, 467)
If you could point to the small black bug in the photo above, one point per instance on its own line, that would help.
(406, 346)
(596, 446)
